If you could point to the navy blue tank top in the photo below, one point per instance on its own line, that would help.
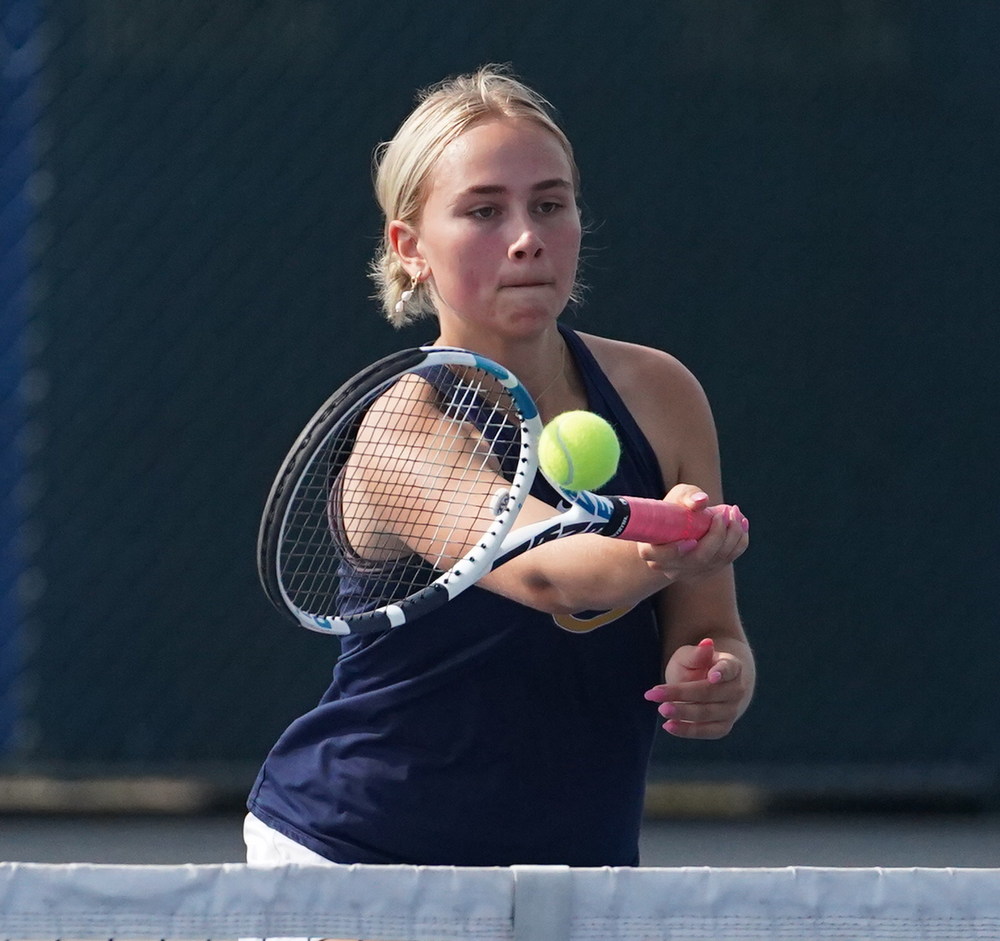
(486, 733)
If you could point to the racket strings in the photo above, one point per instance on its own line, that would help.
(390, 502)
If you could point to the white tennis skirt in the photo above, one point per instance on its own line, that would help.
(267, 847)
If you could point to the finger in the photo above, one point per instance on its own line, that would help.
(694, 498)
(731, 515)
(702, 710)
(725, 670)
(737, 536)
(695, 691)
(725, 541)
(732, 523)
(665, 557)
(703, 730)
(688, 664)
(697, 658)
(714, 541)
(697, 500)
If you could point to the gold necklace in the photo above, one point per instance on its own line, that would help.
(558, 375)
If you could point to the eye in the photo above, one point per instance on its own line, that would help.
(548, 207)
(483, 212)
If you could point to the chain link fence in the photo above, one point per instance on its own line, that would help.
(799, 201)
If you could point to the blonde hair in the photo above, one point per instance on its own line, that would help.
(402, 165)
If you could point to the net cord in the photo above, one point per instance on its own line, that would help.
(521, 903)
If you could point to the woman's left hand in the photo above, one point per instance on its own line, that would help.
(704, 693)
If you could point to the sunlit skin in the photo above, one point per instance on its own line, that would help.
(498, 242)
(489, 248)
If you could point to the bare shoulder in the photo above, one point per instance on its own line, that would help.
(666, 400)
(632, 366)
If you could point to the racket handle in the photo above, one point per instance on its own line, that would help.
(658, 522)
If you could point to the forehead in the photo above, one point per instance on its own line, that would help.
(500, 151)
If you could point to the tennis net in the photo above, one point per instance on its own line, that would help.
(407, 903)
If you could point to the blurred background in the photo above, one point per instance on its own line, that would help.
(798, 200)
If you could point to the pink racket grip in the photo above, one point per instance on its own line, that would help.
(657, 522)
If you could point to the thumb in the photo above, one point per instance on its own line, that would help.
(694, 498)
(691, 663)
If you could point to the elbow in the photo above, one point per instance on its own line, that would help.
(562, 600)
(543, 595)
(569, 583)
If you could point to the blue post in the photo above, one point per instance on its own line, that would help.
(20, 62)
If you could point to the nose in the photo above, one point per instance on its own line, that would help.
(526, 245)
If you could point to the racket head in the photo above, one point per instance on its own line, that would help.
(344, 546)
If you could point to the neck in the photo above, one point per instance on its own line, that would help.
(553, 385)
(539, 360)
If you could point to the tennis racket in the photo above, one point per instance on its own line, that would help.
(404, 488)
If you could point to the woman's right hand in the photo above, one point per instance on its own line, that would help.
(726, 540)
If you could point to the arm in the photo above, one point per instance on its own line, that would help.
(419, 482)
(593, 572)
(578, 573)
(709, 671)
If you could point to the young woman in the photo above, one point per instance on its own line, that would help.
(514, 725)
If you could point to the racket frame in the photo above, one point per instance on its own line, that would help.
(362, 390)
(613, 516)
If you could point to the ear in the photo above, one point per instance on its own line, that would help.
(406, 244)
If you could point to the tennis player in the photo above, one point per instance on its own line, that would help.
(514, 724)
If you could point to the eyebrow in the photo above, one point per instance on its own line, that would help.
(487, 190)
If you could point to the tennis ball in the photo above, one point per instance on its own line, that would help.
(579, 450)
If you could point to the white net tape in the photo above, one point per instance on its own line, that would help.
(408, 903)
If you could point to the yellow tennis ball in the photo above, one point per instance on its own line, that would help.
(579, 450)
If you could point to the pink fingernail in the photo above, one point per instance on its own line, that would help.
(740, 518)
(686, 545)
(715, 677)
(667, 710)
